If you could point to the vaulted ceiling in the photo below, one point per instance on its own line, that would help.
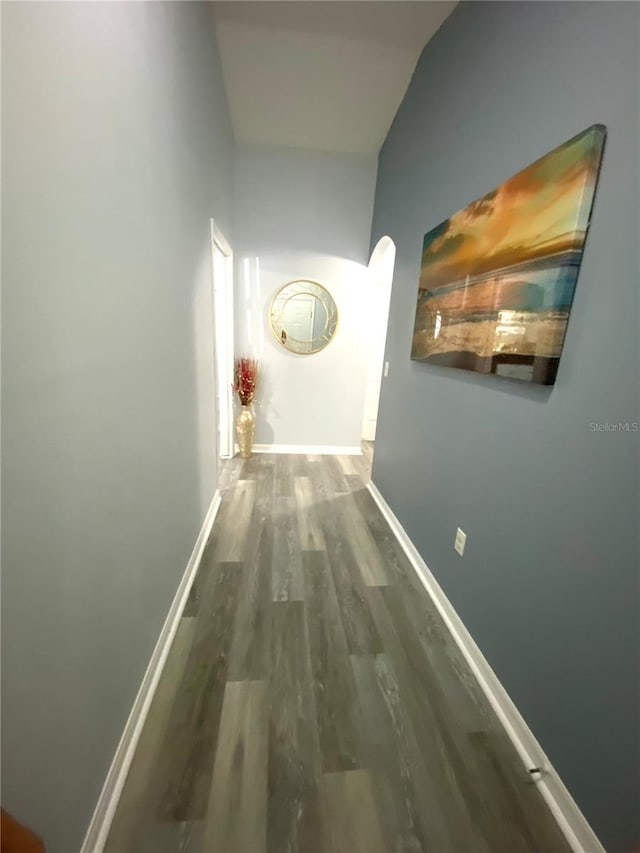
(324, 75)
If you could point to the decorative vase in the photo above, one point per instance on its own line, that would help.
(245, 430)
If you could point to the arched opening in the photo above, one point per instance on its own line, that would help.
(380, 280)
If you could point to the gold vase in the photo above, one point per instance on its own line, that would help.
(245, 431)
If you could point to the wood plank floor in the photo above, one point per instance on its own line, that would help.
(313, 700)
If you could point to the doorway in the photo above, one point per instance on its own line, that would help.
(222, 269)
(380, 279)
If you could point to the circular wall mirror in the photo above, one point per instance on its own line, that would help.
(303, 316)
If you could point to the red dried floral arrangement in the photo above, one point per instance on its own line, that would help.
(245, 379)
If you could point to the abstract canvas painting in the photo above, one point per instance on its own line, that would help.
(497, 279)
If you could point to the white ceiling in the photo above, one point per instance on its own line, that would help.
(327, 75)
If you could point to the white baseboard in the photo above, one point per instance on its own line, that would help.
(570, 819)
(108, 800)
(311, 449)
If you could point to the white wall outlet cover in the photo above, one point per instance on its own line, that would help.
(460, 541)
(386, 368)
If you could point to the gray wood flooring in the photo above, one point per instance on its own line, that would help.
(313, 700)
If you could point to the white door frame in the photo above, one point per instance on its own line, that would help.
(380, 282)
(223, 344)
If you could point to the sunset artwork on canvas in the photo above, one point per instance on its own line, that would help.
(497, 279)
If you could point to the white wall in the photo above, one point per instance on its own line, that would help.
(304, 215)
(117, 150)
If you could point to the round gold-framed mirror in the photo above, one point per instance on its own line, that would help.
(303, 316)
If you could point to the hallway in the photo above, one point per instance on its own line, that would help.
(313, 699)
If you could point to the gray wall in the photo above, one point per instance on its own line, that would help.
(548, 585)
(116, 151)
(304, 214)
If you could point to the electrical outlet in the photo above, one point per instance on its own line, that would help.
(460, 541)
(386, 368)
